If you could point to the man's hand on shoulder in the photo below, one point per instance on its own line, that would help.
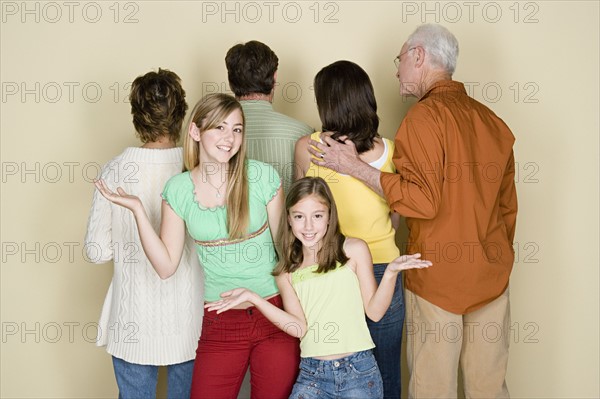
(339, 155)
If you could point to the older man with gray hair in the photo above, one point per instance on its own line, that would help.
(455, 186)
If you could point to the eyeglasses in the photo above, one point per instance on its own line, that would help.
(397, 59)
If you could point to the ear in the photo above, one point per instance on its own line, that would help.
(194, 132)
(272, 93)
(419, 56)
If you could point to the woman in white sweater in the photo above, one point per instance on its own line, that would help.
(147, 322)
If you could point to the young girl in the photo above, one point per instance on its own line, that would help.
(229, 206)
(327, 284)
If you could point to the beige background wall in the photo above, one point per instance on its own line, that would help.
(65, 68)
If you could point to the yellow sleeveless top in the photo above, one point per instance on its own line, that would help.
(362, 213)
(334, 312)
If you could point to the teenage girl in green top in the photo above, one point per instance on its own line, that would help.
(231, 207)
(327, 285)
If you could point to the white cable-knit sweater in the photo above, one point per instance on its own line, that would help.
(144, 320)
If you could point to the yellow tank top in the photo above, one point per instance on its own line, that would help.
(334, 312)
(362, 213)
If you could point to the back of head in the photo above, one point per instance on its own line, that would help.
(346, 103)
(251, 68)
(158, 105)
(439, 43)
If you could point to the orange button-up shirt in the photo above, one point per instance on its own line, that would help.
(455, 186)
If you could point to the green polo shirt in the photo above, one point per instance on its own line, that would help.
(271, 137)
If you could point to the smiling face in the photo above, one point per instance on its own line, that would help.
(309, 220)
(222, 142)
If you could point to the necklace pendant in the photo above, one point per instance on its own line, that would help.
(218, 195)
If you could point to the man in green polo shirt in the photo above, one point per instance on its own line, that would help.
(270, 135)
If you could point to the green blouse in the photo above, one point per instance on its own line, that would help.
(228, 264)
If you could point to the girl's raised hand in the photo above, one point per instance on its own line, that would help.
(121, 198)
(230, 299)
(406, 262)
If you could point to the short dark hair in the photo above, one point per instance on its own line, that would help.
(158, 105)
(346, 103)
(251, 68)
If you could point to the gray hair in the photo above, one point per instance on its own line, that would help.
(439, 43)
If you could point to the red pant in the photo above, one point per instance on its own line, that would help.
(232, 340)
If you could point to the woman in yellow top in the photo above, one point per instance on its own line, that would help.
(347, 108)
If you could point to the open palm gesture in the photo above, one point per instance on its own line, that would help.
(230, 299)
(121, 198)
(406, 262)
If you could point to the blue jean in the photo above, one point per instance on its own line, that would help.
(387, 336)
(138, 381)
(355, 376)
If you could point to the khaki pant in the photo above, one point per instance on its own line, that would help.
(439, 341)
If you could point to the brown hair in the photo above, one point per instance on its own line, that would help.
(208, 113)
(289, 248)
(158, 105)
(251, 68)
(346, 103)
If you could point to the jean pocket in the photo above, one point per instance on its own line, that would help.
(307, 371)
(210, 321)
(397, 299)
(364, 366)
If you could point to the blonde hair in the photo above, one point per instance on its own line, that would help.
(208, 113)
(289, 248)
